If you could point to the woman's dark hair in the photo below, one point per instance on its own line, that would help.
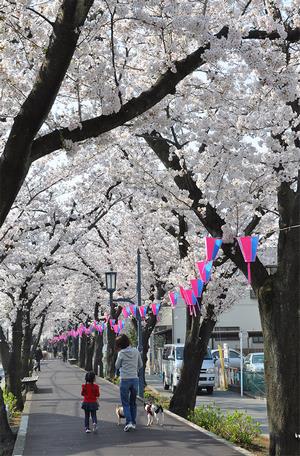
(122, 342)
(90, 377)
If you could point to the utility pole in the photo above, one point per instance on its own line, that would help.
(241, 365)
(139, 321)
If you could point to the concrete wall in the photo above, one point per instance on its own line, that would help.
(243, 314)
(179, 322)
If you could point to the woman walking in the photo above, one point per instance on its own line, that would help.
(129, 362)
(90, 392)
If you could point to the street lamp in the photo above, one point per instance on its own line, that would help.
(139, 320)
(110, 281)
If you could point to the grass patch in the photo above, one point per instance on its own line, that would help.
(259, 446)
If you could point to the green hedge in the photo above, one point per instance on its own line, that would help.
(237, 427)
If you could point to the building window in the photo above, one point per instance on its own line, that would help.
(221, 336)
(226, 328)
(258, 339)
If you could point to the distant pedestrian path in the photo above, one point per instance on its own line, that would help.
(56, 425)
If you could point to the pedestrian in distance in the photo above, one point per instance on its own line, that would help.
(91, 393)
(65, 353)
(55, 351)
(129, 362)
(38, 356)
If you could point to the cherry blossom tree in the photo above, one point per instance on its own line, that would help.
(84, 75)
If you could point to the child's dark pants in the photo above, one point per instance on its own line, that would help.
(87, 418)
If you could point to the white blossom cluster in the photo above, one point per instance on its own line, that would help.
(231, 124)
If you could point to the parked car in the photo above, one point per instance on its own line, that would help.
(233, 361)
(172, 363)
(254, 362)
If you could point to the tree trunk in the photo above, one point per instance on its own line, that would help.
(197, 338)
(26, 350)
(14, 370)
(4, 350)
(6, 436)
(110, 352)
(39, 334)
(75, 347)
(146, 333)
(82, 351)
(279, 304)
(89, 353)
(98, 355)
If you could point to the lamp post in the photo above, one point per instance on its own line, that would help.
(139, 320)
(110, 283)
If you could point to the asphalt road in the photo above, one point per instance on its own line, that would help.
(226, 400)
(56, 428)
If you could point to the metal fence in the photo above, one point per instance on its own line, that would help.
(253, 382)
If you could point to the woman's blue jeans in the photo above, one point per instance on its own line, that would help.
(128, 392)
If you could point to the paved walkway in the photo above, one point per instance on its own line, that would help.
(226, 400)
(55, 426)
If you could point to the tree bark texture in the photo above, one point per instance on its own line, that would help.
(279, 306)
(98, 355)
(4, 350)
(14, 370)
(26, 350)
(89, 347)
(75, 347)
(82, 351)
(197, 338)
(39, 334)
(110, 352)
(6, 436)
(146, 333)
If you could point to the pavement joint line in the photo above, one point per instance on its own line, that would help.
(22, 431)
(204, 431)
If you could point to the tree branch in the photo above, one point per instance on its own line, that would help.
(14, 163)
(41, 15)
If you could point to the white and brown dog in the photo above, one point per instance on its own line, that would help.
(119, 413)
(154, 411)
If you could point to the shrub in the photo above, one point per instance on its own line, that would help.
(237, 427)
(115, 380)
(10, 401)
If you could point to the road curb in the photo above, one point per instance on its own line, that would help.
(204, 431)
(208, 433)
(22, 431)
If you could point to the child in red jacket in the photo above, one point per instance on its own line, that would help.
(90, 392)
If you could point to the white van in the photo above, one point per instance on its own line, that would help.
(172, 363)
